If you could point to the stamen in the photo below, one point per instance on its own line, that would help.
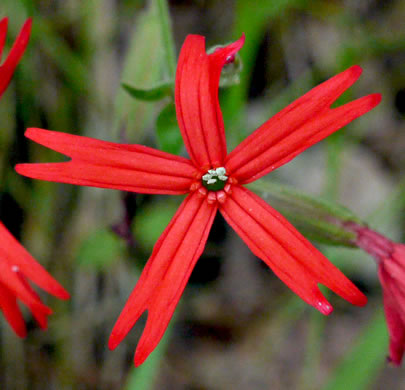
(215, 179)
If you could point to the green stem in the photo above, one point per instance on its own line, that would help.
(167, 37)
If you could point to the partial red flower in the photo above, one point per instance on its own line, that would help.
(16, 52)
(16, 264)
(214, 180)
(390, 257)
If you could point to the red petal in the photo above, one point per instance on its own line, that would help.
(10, 309)
(16, 52)
(292, 258)
(3, 34)
(197, 106)
(394, 307)
(166, 274)
(105, 164)
(15, 254)
(299, 126)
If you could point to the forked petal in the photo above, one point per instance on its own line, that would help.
(292, 258)
(304, 137)
(10, 309)
(105, 164)
(196, 96)
(165, 275)
(15, 254)
(258, 154)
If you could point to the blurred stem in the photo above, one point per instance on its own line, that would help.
(167, 37)
(144, 376)
(361, 366)
(316, 325)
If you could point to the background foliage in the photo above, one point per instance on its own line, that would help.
(238, 326)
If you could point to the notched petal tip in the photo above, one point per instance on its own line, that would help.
(193, 40)
(112, 342)
(3, 25)
(62, 294)
(139, 358)
(25, 32)
(32, 132)
(359, 299)
(324, 307)
(355, 70)
(238, 44)
(375, 99)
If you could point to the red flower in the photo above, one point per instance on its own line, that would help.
(391, 271)
(16, 52)
(390, 258)
(16, 264)
(213, 180)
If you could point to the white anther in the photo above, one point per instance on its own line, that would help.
(220, 171)
(15, 268)
(213, 175)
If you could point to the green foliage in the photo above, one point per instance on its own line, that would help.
(156, 93)
(99, 249)
(167, 130)
(152, 220)
(145, 48)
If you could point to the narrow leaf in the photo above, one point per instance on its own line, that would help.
(156, 93)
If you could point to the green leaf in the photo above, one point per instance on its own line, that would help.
(167, 130)
(152, 220)
(167, 36)
(157, 93)
(99, 249)
(143, 67)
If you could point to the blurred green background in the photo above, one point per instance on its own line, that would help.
(237, 327)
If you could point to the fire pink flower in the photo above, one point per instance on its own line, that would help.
(390, 258)
(16, 264)
(16, 52)
(16, 267)
(214, 180)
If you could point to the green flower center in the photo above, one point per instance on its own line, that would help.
(215, 179)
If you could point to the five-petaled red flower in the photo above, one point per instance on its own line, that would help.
(214, 180)
(16, 264)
